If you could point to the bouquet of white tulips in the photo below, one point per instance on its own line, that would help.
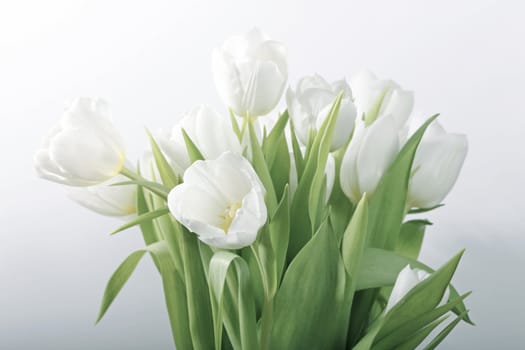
(296, 234)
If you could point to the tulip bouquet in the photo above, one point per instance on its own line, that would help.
(289, 233)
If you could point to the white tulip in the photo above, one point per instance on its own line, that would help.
(436, 167)
(407, 279)
(375, 98)
(84, 149)
(105, 199)
(369, 154)
(220, 200)
(250, 73)
(211, 132)
(310, 104)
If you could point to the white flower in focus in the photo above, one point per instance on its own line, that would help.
(220, 200)
(375, 98)
(250, 73)
(210, 132)
(105, 199)
(370, 152)
(85, 149)
(310, 104)
(438, 161)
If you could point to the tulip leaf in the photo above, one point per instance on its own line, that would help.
(424, 210)
(322, 149)
(167, 175)
(146, 217)
(315, 276)
(243, 309)
(417, 338)
(446, 331)
(341, 207)
(354, 238)
(280, 232)
(146, 227)
(411, 238)
(297, 153)
(118, 279)
(421, 299)
(261, 167)
(408, 329)
(387, 203)
(272, 142)
(193, 150)
(158, 189)
(173, 290)
(380, 268)
(197, 292)
(235, 125)
(306, 201)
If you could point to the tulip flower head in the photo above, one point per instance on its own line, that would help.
(375, 98)
(250, 73)
(106, 199)
(310, 104)
(85, 149)
(438, 161)
(370, 152)
(221, 200)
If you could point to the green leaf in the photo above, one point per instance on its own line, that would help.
(167, 175)
(147, 227)
(280, 168)
(235, 125)
(160, 190)
(380, 268)
(418, 337)
(308, 304)
(260, 166)
(146, 217)
(354, 238)
(341, 207)
(306, 200)
(272, 142)
(444, 333)
(298, 155)
(193, 150)
(280, 232)
(423, 298)
(387, 204)
(198, 298)
(406, 331)
(173, 290)
(424, 210)
(411, 238)
(244, 309)
(318, 185)
(118, 279)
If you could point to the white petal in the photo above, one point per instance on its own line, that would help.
(438, 162)
(379, 147)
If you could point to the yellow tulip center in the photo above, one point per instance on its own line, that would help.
(229, 215)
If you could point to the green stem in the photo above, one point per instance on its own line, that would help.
(267, 311)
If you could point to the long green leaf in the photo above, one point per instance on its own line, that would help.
(193, 150)
(315, 276)
(380, 268)
(168, 176)
(443, 334)
(146, 217)
(219, 270)
(154, 187)
(411, 238)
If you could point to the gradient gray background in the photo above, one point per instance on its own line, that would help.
(151, 60)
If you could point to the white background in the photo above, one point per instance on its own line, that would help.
(151, 60)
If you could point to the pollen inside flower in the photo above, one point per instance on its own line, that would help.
(228, 216)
